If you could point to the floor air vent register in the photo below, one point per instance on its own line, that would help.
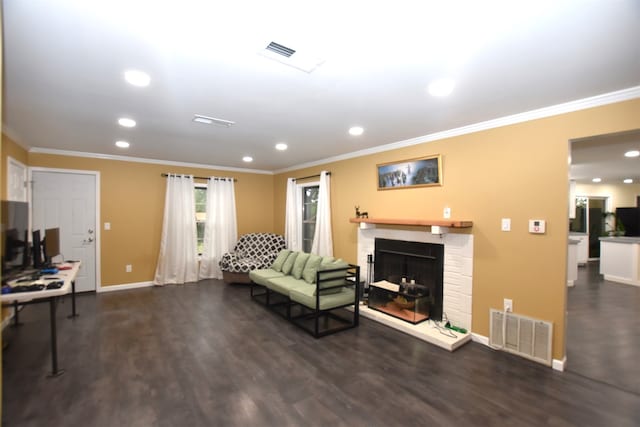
(521, 335)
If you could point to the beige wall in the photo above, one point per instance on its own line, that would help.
(620, 196)
(518, 172)
(132, 200)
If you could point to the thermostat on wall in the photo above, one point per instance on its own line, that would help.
(537, 226)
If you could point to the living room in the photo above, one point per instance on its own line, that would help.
(515, 167)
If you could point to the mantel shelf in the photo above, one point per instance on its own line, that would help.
(419, 222)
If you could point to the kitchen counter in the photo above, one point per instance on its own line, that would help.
(620, 259)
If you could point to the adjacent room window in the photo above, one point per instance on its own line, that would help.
(309, 210)
(201, 213)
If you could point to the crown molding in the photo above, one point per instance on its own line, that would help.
(554, 110)
(40, 150)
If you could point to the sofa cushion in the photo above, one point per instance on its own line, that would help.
(306, 296)
(262, 276)
(336, 278)
(285, 284)
(298, 266)
(280, 259)
(310, 268)
(288, 264)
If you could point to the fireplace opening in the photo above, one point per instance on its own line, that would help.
(417, 261)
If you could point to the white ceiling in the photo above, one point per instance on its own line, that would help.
(64, 63)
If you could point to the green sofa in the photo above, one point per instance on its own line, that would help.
(309, 290)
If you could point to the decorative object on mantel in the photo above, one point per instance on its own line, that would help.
(361, 214)
(452, 223)
(422, 172)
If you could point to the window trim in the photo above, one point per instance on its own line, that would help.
(203, 187)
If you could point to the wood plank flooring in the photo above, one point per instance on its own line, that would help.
(603, 335)
(205, 355)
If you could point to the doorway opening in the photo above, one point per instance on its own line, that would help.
(590, 219)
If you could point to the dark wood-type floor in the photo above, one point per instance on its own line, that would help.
(205, 355)
(603, 335)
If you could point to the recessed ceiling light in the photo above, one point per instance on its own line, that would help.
(596, 180)
(632, 153)
(122, 144)
(247, 159)
(128, 123)
(281, 146)
(356, 131)
(628, 181)
(441, 87)
(137, 78)
(199, 118)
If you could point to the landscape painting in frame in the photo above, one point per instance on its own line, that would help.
(422, 172)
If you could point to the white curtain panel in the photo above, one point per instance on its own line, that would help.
(178, 260)
(221, 229)
(293, 220)
(322, 240)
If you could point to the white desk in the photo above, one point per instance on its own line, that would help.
(50, 296)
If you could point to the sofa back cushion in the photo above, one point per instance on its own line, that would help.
(298, 266)
(280, 259)
(335, 277)
(310, 268)
(288, 264)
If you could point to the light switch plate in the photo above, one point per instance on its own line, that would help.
(506, 224)
(446, 213)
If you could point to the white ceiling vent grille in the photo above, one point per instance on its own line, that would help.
(199, 118)
(521, 335)
(280, 50)
(296, 58)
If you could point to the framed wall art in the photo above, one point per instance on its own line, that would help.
(422, 172)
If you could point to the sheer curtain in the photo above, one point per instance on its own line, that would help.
(293, 218)
(322, 240)
(177, 261)
(220, 229)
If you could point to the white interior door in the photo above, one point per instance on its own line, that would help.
(16, 180)
(67, 200)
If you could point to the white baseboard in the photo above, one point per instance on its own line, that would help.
(480, 339)
(125, 286)
(557, 365)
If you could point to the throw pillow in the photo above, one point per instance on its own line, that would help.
(298, 266)
(288, 264)
(333, 278)
(310, 268)
(280, 259)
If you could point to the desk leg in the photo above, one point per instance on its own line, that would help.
(54, 340)
(16, 321)
(73, 301)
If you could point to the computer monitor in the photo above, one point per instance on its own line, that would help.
(15, 233)
(51, 244)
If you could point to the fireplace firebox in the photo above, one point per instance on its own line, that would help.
(422, 263)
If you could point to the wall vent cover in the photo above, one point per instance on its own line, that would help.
(280, 49)
(521, 335)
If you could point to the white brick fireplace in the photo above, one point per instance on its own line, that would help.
(458, 265)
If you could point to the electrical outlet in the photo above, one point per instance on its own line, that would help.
(446, 213)
(508, 305)
(107, 226)
(128, 268)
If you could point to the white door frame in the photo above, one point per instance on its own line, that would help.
(11, 163)
(96, 174)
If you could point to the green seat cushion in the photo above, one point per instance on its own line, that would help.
(285, 284)
(299, 264)
(310, 268)
(288, 264)
(306, 296)
(335, 278)
(280, 259)
(262, 276)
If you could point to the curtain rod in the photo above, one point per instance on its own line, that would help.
(203, 177)
(310, 176)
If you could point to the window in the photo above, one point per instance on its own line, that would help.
(201, 213)
(309, 210)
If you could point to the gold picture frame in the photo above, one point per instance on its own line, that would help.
(412, 173)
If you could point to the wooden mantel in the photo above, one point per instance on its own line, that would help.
(420, 222)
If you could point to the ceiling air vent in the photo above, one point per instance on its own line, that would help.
(280, 50)
(198, 118)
